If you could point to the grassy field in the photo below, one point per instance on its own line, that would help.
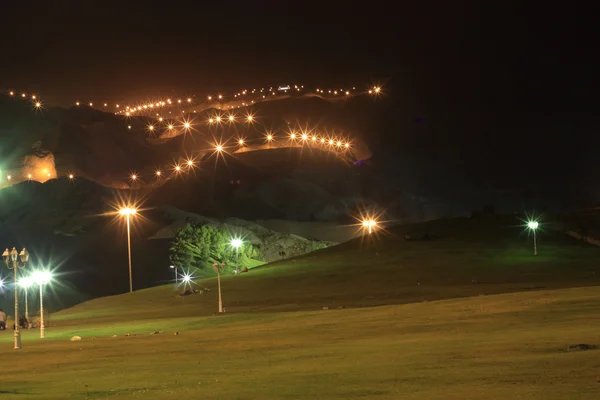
(392, 340)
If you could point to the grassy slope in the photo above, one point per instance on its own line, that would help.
(479, 347)
(494, 252)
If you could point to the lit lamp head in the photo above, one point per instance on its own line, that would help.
(186, 278)
(6, 256)
(127, 211)
(533, 225)
(236, 243)
(24, 255)
(26, 282)
(13, 255)
(41, 277)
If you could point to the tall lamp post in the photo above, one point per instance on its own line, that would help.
(128, 212)
(11, 259)
(533, 225)
(41, 278)
(236, 243)
(218, 269)
(26, 283)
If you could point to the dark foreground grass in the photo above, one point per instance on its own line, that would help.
(486, 347)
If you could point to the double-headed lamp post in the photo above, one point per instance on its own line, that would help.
(218, 268)
(41, 278)
(236, 244)
(128, 212)
(533, 225)
(26, 283)
(11, 259)
(369, 224)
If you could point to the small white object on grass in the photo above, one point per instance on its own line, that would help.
(75, 338)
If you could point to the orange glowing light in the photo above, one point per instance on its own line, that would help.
(71, 176)
(33, 97)
(160, 119)
(133, 177)
(292, 136)
(12, 93)
(231, 118)
(269, 137)
(151, 127)
(218, 119)
(314, 138)
(241, 142)
(322, 140)
(250, 118)
(29, 176)
(347, 145)
(177, 168)
(187, 125)
(209, 97)
(330, 142)
(91, 104)
(190, 163)
(220, 96)
(158, 173)
(339, 144)
(219, 148)
(170, 127)
(304, 136)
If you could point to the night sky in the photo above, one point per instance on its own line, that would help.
(503, 92)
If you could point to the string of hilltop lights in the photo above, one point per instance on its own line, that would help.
(295, 138)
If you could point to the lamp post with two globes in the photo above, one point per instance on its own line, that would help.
(11, 259)
(41, 278)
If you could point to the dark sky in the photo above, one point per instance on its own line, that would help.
(507, 87)
(458, 54)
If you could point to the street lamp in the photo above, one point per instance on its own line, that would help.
(11, 259)
(533, 226)
(26, 283)
(41, 278)
(128, 212)
(369, 224)
(174, 268)
(218, 268)
(236, 243)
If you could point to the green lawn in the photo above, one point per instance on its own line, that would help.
(488, 347)
(391, 341)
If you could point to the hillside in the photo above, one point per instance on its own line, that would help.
(353, 321)
(472, 257)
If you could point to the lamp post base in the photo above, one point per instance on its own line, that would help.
(17, 337)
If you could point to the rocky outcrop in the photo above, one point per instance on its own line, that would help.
(272, 245)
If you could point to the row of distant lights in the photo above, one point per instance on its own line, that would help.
(269, 137)
(44, 172)
(154, 105)
(131, 110)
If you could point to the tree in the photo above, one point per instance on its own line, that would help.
(197, 246)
